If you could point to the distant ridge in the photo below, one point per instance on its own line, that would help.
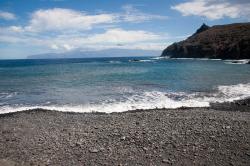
(230, 41)
(99, 53)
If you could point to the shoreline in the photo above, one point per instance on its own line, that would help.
(216, 135)
(242, 105)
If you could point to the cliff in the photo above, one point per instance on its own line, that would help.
(221, 41)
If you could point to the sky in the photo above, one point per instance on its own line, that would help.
(29, 27)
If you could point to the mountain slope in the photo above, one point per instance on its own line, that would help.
(100, 53)
(221, 41)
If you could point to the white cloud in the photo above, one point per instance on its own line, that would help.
(66, 19)
(109, 39)
(133, 15)
(7, 15)
(122, 36)
(68, 47)
(10, 35)
(213, 10)
(16, 29)
(64, 29)
(146, 46)
(54, 46)
(59, 19)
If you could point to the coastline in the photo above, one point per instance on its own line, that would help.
(216, 135)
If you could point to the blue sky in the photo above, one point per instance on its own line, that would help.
(40, 26)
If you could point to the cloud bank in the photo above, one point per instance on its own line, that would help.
(215, 9)
(62, 29)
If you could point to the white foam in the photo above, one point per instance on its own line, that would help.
(151, 100)
(115, 62)
(235, 92)
(7, 95)
(160, 57)
(201, 59)
(237, 62)
(142, 60)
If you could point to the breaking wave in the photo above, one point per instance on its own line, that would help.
(142, 60)
(7, 95)
(151, 100)
(242, 61)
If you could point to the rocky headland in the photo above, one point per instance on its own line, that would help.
(230, 41)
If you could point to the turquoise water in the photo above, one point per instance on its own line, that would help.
(119, 84)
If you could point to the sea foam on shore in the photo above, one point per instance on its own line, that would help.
(150, 100)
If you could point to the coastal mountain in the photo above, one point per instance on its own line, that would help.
(98, 53)
(230, 41)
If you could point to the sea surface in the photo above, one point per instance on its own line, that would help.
(119, 84)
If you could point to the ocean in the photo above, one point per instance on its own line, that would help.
(119, 84)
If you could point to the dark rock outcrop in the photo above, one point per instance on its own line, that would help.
(203, 28)
(221, 41)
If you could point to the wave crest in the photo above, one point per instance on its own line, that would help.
(151, 100)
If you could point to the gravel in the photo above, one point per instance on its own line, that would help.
(187, 136)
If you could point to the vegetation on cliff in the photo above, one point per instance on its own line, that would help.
(221, 41)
